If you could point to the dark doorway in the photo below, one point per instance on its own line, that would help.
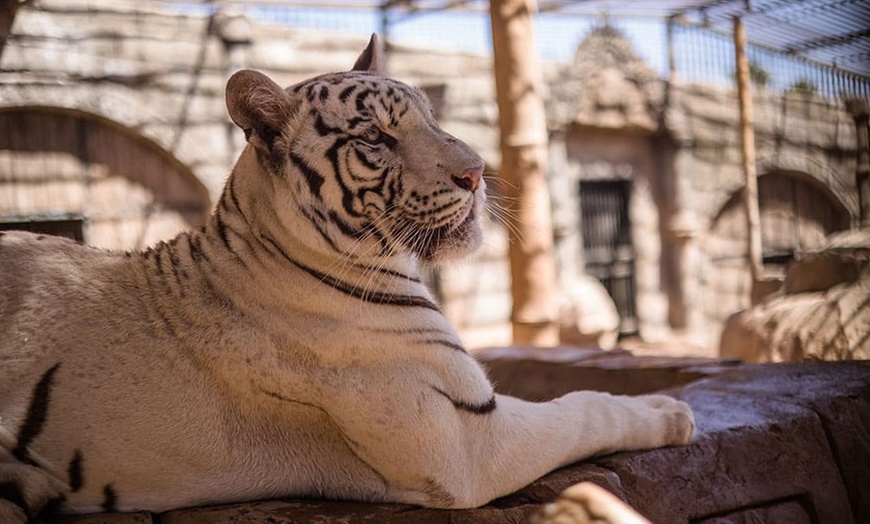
(607, 247)
(69, 228)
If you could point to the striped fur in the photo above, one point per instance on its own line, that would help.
(288, 347)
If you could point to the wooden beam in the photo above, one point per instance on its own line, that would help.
(522, 124)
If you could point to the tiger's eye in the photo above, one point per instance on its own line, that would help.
(373, 136)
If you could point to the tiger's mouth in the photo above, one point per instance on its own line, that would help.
(447, 238)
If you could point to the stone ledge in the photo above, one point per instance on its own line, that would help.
(539, 374)
(775, 443)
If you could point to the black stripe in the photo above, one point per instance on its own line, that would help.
(221, 300)
(110, 499)
(177, 270)
(319, 227)
(343, 226)
(75, 471)
(373, 297)
(477, 409)
(222, 229)
(315, 180)
(222, 232)
(365, 161)
(442, 342)
(196, 251)
(231, 189)
(158, 253)
(355, 121)
(360, 99)
(321, 127)
(228, 190)
(346, 92)
(36, 414)
(12, 492)
(390, 272)
(347, 196)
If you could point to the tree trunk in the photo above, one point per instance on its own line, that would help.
(523, 169)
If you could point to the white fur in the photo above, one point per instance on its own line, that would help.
(242, 380)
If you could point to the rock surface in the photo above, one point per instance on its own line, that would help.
(587, 314)
(776, 443)
(821, 313)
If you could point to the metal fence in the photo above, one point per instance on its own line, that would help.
(706, 56)
(700, 48)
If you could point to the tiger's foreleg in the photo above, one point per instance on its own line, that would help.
(450, 456)
(521, 441)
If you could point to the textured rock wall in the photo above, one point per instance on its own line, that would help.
(678, 144)
(162, 74)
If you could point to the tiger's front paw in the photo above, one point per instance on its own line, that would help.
(673, 417)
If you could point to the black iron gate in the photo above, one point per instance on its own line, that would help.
(607, 247)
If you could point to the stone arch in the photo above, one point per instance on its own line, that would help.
(798, 212)
(816, 209)
(122, 107)
(837, 188)
(127, 190)
(811, 169)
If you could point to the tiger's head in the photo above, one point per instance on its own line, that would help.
(364, 161)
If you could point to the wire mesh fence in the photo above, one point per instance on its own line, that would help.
(707, 56)
(701, 47)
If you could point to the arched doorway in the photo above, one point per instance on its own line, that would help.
(797, 214)
(85, 176)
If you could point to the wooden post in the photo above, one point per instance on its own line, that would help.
(860, 111)
(747, 148)
(522, 123)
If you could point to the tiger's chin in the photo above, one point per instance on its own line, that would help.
(451, 242)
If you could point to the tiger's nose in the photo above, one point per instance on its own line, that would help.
(469, 179)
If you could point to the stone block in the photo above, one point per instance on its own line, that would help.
(326, 512)
(821, 271)
(838, 393)
(743, 444)
(547, 488)
(102, 518)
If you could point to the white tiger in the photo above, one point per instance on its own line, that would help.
(288, 347)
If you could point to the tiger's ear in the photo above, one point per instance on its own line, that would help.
(372, 59)
(259, 106)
